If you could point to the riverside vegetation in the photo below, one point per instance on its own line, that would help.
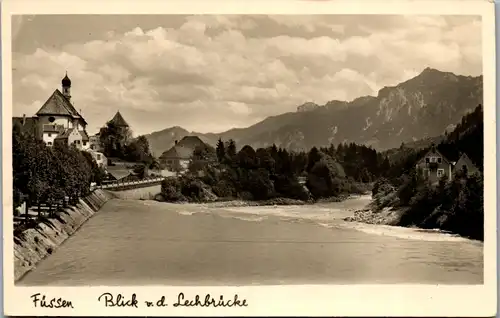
(403, 197)
(271, 175)
(51, 176)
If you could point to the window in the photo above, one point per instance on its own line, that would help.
(49, 135)
(78, 142)
(98, 156)
(84, 143)
(51, 119)
(427, 160)
(426, 172)
(440, 172)
(49, 144)
(439, 159)
(433, 159)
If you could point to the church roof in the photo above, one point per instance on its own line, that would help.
(58, 104)
(118, 120)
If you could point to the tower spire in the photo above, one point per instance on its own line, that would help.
(66, 86)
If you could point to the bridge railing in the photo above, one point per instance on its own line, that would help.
(126, 183)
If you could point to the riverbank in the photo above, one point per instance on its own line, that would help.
(34, 244)
(233, 202)
(387, 216)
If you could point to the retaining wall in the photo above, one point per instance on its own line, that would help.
(33, 245)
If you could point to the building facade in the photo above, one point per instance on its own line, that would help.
(464, 164)
(434, 166)
(179, 156)
(58, 120)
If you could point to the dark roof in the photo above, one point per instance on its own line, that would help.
(118, 120)
(118, 172)
(85, 137)
(58, 104)
(191, 142)
(65, 134)
(52, 128)
(177, 152)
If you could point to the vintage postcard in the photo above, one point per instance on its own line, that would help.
(208, 158)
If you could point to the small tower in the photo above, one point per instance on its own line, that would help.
(66, 87)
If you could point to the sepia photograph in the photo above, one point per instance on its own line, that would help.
(247, 149)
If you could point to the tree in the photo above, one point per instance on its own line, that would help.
(313, 157)
(114, 139)
(231, 149)
(220, 150)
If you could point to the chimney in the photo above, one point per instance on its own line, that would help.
(24, 119)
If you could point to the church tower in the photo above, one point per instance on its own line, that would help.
(66, 87)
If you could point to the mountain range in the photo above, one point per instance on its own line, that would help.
(420, 108)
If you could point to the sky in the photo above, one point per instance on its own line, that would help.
(209, 73)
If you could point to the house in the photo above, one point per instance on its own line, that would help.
(465, 164)
(95, 142)
(179, 156)
(57, 119)
(435, 166)
(99, 158)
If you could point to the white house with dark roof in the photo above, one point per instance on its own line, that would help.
(179, 156)
(435, 166)
(59, 121)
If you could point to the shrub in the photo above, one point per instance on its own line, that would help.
(224, 189)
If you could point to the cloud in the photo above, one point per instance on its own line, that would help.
(210, 73)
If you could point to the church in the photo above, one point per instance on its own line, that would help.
(57, 121)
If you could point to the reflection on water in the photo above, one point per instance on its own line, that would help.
(147, 242)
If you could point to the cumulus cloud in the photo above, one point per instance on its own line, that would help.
(211, 73)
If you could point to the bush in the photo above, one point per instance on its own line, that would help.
(224, 189)
(171, 190)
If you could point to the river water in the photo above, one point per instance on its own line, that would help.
(133, 242)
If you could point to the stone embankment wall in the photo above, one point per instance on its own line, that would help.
(34, 244)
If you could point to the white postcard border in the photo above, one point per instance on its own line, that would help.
(341, 300)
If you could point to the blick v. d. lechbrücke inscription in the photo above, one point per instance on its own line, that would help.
(247, 150)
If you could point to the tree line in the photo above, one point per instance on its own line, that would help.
(46, 175)
(272, 172)
(457, 205)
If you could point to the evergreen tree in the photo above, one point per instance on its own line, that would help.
(220, 150)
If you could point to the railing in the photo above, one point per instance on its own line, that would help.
(118, 184)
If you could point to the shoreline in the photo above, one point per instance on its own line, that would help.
(33, 245)
(233, 202)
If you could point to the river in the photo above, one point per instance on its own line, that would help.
(134, 242)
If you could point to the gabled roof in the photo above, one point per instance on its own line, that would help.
(177, 152)
(65, 134)
(85, 137)
(118, 120)
(191, 142)
(434, 152)
(465, 159)
(58, 104)
(119, 174)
